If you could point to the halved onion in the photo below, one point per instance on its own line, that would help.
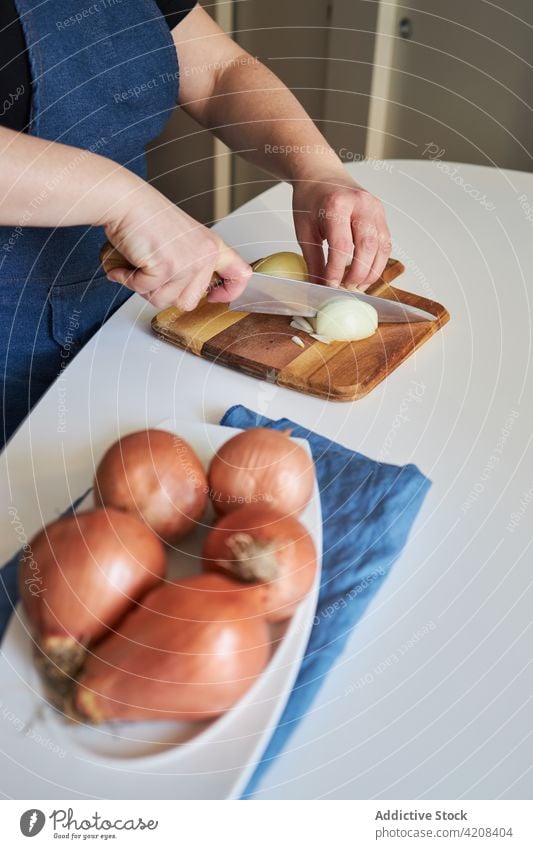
(343, 319)
(272, 553)
(189, 652)
(261, 466)
(156, 475)
(84, 573)
(283, 264)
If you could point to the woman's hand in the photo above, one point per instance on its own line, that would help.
(174, 256)
(340, 211)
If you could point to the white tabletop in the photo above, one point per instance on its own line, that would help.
(431, 698)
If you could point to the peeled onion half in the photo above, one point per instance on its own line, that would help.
(343, 319)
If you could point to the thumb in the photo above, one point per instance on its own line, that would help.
(234, 271)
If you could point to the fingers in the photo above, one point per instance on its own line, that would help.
(366, 240)
(229, 264)
(354, 224)
(340, 246)
(188, 298)
(111, 258)
(310, 241)
(340, 251)
(136, 280)
(234, 271)
(384, 251)
(230, 290)
(372, 250)
(170, 281)
(119, 275)
(174, 295)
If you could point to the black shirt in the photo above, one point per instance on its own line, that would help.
(15, 79)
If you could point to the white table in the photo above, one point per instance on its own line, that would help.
(431, 698)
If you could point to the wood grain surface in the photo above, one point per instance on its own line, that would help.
(262, 346)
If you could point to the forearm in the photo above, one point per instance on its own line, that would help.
(249, 108)
(255, 114)
(45, 184)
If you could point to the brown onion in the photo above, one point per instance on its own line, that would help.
(264, 466)
(189, 652)
(81, 575)
(156, 475)
(273, 553)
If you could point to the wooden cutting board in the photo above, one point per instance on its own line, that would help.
(262, 346)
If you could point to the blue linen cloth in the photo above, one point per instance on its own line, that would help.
(368, 509)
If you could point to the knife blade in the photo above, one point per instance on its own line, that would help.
(281, 296)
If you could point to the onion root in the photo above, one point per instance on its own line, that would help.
(253, 560)
(61, 657)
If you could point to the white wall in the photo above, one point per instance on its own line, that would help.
(463, 81)
(295, 40)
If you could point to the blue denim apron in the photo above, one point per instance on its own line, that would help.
(105, 79)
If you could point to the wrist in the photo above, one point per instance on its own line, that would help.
(321, 166)
(118, 192)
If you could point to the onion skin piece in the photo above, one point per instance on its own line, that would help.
(157, 476)
(189, 652)
(261, 466)
(84, 574)
(273, 553)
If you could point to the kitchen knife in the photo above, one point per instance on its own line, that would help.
(280, 296)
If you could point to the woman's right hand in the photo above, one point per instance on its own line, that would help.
(174, 256)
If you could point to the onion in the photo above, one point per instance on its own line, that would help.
(261, 466)
(274, 553)
(156, 475)
(283, 264)
(301, 323)
(344, 319)
(84, 573)
(189, 653)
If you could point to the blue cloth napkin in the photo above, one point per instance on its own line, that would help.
(367, 510)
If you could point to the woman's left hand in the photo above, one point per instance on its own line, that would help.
(352, 221)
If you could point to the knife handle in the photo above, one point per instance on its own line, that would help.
(111, 258)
